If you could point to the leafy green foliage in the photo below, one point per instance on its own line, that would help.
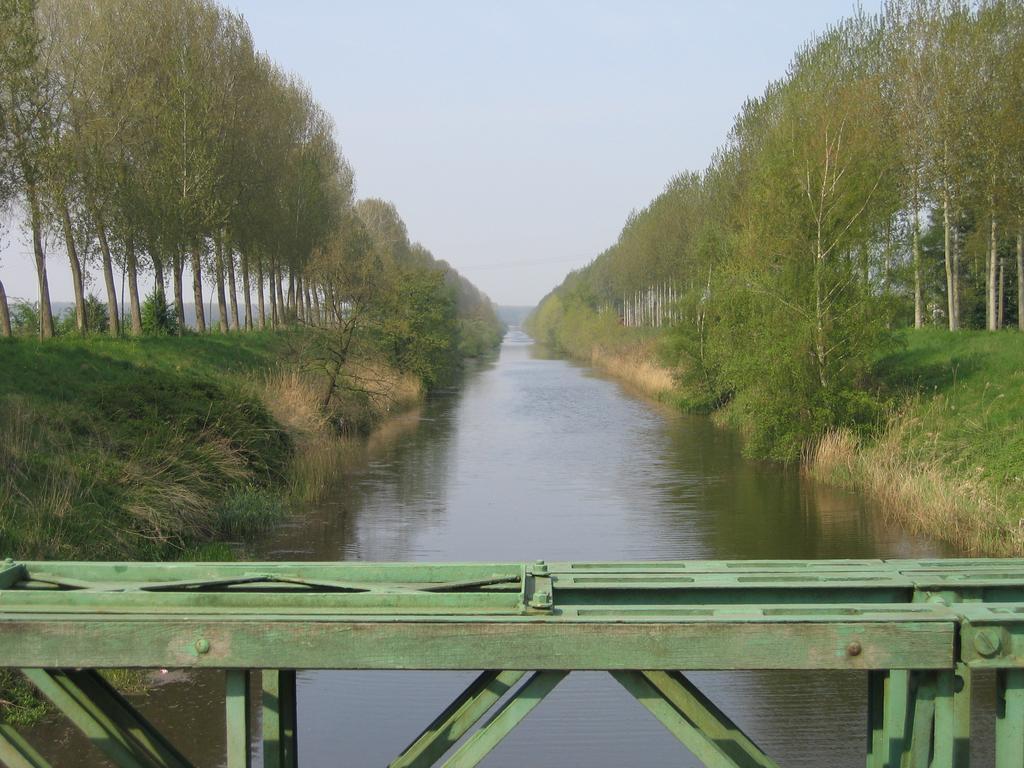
(25, 318)
(158, 317)
(797, 252)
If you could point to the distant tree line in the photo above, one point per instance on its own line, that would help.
(145, 136)
(879, 183)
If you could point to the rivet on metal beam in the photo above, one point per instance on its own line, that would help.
(854, 649)
(202, 645)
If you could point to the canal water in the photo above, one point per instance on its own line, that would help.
(536, 457)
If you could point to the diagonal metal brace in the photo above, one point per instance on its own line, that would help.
(15, 752)
(511, 713)
(461, 715)
(694, 719)
(106, 718)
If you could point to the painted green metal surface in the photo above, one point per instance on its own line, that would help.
(237, 703)
(917, 628)
(456, 720)
(693, 719)
(280, 719)
(15, 752)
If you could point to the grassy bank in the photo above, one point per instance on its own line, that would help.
(950, 461)
(150, 448)
(135, 449)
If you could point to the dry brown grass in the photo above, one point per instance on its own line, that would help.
(293, 398)
(917, 493)
(636, 367)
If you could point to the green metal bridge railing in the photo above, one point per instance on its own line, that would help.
(916, 628)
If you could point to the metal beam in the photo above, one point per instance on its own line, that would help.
(694, 720)
(15, 752)
(917, 627)
(106, 718)
(254, 641)
(237, 721)
(512, 712)
(1010, 718)
(280, 719)
(953, 718)
(457, 719)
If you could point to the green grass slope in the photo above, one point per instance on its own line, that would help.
(134, 449)
(966, 413)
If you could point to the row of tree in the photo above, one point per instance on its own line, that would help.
(151, 138)
(879, 183)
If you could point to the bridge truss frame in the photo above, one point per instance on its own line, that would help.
(916, 628)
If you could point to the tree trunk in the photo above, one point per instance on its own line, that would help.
(918, 289)
(300, 313)
(158, 272)
(1001, 301)
(956, 276)
(5, 313)
(316, 306)
(947, 229)
(313, 317)
(45, 312)
(81, 321)
(178, 266)
(274, 321)
(991, 270)
(197, 290)
(820, 352)
(135, 307)
(229, 257)
(1020, 279)
(108, 279)
(282, 308)
(259, 295)
(222, 304)
(243, 264)
(292, 309)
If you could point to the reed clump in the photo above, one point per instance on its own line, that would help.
(326, 438)
(637, 367)
(918, 492)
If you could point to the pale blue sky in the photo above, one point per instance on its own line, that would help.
(515, 137)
